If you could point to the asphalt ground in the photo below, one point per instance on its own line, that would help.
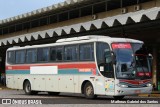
(18, 98)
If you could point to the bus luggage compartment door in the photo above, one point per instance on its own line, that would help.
(66, 83)
(9, 81)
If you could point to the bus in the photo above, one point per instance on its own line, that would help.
(92, 65)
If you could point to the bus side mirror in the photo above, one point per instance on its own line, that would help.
(113, 56)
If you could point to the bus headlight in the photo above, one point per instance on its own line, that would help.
(149, 85)
(122, 85)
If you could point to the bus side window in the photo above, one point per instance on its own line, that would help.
(42, 54)
(11, 57)
(86, 52)
(59, 53)
(31, 56)
(71, 53)
(53, 54)
(20, 56)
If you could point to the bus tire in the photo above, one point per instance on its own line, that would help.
(118, 97)
(54, 93)
(89, 91)
(28, 90)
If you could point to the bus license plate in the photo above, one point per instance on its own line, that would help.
(137, 91)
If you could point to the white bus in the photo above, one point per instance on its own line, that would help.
(91, 65)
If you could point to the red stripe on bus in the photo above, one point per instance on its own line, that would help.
(135, 82)
(60, 66)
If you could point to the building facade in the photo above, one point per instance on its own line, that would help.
(137, 19)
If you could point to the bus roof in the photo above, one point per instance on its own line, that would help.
(82, 39)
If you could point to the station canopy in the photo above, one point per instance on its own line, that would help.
(122, 19)
(42, 10)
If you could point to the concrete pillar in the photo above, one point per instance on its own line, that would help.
(157, 3)
(154, 68)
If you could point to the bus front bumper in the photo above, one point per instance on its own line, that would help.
(132, 91)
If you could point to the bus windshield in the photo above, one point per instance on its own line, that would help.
(132, 61)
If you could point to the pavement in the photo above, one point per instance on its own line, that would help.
(74, 100)
(2, 87)
(153, 94)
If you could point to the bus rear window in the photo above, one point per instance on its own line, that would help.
(11, 57)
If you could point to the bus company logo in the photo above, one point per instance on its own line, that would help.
(6, 101)
(85, 70)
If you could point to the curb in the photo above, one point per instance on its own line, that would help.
(5, 88)
(154, 95)
(143, 95)
(149, 95)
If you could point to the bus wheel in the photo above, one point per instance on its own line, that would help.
(53, 93)
(27, 89)
(89, 91)
(118, 97)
